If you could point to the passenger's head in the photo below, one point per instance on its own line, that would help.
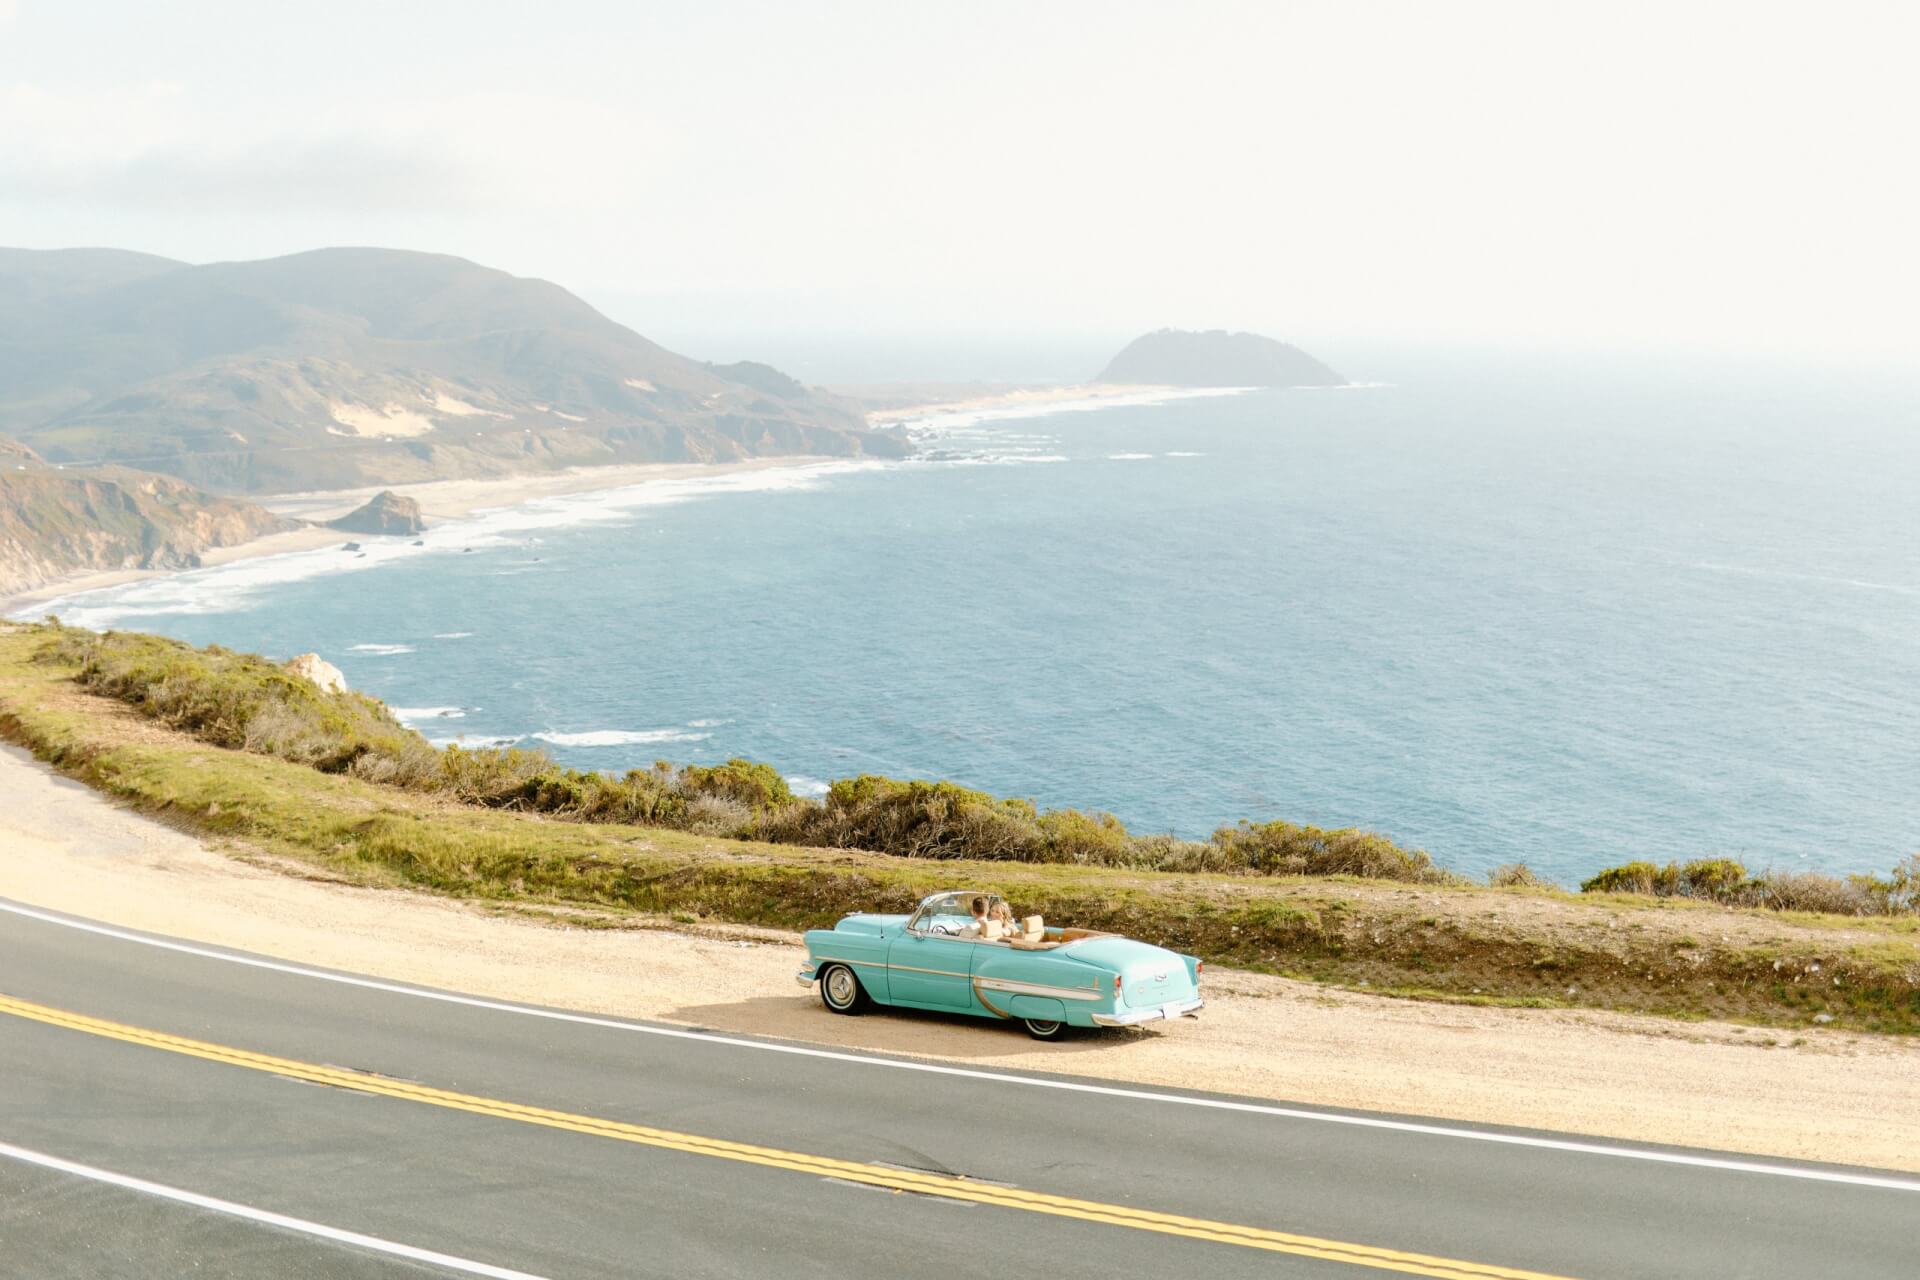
(1002, 912)
(979, 906)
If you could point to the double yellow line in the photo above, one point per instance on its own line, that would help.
(931, 1184)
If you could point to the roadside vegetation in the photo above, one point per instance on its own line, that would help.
(231, 746)
(245, 702)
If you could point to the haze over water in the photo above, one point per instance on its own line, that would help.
(1555, 613)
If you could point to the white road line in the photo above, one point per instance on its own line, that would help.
(466, 1266)
(1887, 1182)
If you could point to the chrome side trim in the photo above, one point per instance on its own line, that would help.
(871, 964)
(1179, 1009)
(1036, 989)
(907, 968)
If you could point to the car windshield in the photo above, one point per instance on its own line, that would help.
(949, 913)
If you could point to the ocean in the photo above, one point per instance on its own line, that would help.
(1501, 608)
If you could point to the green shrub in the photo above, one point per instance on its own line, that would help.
(1281, 848)
(1515, 875)
(747, 782)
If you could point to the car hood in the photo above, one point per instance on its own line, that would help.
(873, 925)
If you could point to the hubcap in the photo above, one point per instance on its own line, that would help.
(1044, 1028)
(840, 987)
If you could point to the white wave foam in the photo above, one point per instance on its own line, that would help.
(382, 650)
(1348, 386)
(802, 785)
(407, 715)
(618, 737)
(973, 417)
(471, 743)
(1182, 453)
(451, 635)
(706, 724)
(1127, 457)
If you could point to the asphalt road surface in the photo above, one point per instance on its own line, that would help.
(168, 1110)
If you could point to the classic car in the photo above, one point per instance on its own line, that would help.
(943, 956)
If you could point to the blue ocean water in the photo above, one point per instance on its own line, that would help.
(1561, 613)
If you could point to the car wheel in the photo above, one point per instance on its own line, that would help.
(841, 990)
(1041, 1029)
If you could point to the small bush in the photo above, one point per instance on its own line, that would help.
(1281, 848)
(1515, 875)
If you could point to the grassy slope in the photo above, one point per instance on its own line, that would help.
(1495, 945)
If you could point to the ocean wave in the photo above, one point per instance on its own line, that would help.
(451, 635)
(1127, 457)
(1349, 386)
(407, 715)
(802, 785)
(971, 417)
(1183, 453)
(382, 650)
(471, 743)
(617, 737)
(706, 724)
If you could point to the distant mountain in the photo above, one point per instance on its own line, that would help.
(1216, 358)
(55, 522)
(347, 367)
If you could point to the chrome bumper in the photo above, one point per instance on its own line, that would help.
(1133, 1017)
(805, 976)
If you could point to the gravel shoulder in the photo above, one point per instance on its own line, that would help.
(1817, 1095)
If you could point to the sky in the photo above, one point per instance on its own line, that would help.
(1696, 175)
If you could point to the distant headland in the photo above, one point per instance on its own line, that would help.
(1216, 358)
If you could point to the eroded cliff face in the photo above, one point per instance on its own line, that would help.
(55, 522)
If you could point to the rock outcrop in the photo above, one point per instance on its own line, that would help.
(55, 522)
(315, 669)
(386, 513)
(1216, 358)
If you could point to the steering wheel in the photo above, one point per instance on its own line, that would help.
(941, 929)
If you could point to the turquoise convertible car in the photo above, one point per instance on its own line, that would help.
(1047, 979)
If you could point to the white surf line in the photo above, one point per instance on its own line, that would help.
(1725, 1164)
(375, 1244)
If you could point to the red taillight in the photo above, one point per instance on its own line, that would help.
(1199, 967)
(1116, 986)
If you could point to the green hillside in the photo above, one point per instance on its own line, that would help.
(347, 367)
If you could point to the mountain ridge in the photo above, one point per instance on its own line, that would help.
(343, 367)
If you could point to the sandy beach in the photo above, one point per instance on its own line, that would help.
(1018, 398)
(440, 501)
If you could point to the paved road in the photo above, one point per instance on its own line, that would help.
(157, 1102)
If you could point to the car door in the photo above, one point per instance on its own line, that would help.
(931, 969)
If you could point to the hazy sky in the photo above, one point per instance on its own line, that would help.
(1720, 174)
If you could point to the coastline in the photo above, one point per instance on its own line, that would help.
(1089, 394)
(440, 501)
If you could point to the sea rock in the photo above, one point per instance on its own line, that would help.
(386, 513)
(1216, 358)
(315, 669)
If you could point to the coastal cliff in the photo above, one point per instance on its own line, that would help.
(55, 522)
(1216, 358)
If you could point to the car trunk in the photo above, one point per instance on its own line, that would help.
(1149, 975)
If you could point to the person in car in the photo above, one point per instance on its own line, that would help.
(978, 929)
